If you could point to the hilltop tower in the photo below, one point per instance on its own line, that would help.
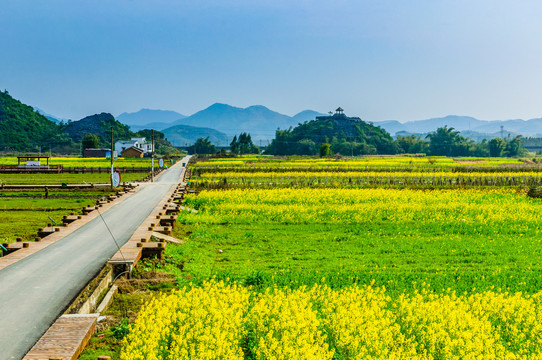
(339, 115)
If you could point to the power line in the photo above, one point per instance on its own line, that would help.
(112, 236)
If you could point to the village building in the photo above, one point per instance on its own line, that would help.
(96, 153)
(140, 143)
(132, 153)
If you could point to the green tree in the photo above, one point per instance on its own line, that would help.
(480, 149)
(446, 141)
(202, 146)
(304, 147)
(411, 144)
(234, 145)
(282, 143)
(324, 149)
(515, 147)
(243, 145)
(89, 141)
(496, 147)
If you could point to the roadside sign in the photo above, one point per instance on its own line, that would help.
(108, 155)
(116, 179)
(161, 162)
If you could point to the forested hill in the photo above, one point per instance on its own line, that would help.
(23, 129)
(346, 135)
(99, 125)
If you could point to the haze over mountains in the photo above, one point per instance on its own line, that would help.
(470, 126)
(49, 116)
(185, 135)
(221, 122)
(157, 119)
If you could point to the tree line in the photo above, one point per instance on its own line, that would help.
(444, 141)
(447, 141)
(240, 145)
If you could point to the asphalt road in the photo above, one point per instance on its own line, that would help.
(37, 289)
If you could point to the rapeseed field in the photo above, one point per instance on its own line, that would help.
(346, 272)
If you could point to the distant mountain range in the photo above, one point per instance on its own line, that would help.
(184, 135)
(258, 120)
(469, 126)
(156, 119)
(221, 122)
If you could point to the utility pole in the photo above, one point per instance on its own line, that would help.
(111, 158)
(152, 157)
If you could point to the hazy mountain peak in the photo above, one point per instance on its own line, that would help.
(257, 107)
(147, 116)
(307, 115)
(450, 117)
(257, 119)
(219, 106)
(53, 118)
(467, 124)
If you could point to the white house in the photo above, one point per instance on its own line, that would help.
(140, 143)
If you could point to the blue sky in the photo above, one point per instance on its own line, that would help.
(378, 59)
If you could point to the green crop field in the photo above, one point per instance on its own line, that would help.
(89, 162)
(463, 239)
(24, 212)
(51, 179)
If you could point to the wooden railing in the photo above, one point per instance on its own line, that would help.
(30, 168)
